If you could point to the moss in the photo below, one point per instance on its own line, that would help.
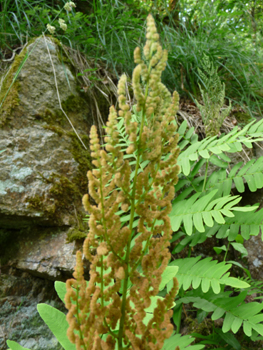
(64, 190)
(38, 203)
(242, 117)
(62, 195)
(83, 158)
(10, 101)
(74, 103)
(51, 118)
(57, 129)
(75, 234)
(205, 328)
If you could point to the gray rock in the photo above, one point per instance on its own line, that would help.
(44, 166)
(19, 318)
(42, 181)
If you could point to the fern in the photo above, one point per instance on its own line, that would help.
(205, 273)
(183, 342)
(235, 310)
(247, 223)
(213, 98)
(207, 148)
(197, 211)
(256, 287)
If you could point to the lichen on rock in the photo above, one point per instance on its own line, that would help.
(44, 167)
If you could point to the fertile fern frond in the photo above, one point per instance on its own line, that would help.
(183, 343)
(202, 211)
(235, 310)
(206, 274)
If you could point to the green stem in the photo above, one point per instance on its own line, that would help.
(195, 189)
(125, 285)
(127, 256)
(189, 252)
(226, 252)
(206, 169)
(133, 205)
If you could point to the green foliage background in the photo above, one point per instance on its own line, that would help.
(229, 33)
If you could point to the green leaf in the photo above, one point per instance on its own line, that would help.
(229, 338)
(183, 342)
(207, 273)
(185, 164)
(218, 162)
(182, 128)
(240, 248)
(168, 274)
(14, 345)
(236, 311)
(217, 216)
(188, 224)
(57, 323)
(204, 154)
(239, 184)
(198, 222)
(219, 250)
(61, 290)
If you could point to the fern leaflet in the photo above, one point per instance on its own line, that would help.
(236, 311)
(197, 211)
(205, 273)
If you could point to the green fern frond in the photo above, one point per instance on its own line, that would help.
(235, 310)
(256, 287)
(251, 172)
(191, 241)
(247, 223)
(183, 342)
(206, 274)
(202, 211)
(232, 142)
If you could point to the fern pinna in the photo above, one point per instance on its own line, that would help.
(205, 206)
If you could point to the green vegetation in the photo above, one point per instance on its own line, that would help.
(133, 183)
(213, 95)
(107, 32)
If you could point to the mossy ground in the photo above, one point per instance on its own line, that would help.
(10, 100)
(242, 118)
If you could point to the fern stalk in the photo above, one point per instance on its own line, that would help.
(126, 262)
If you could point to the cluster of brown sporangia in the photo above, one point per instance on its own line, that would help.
(127, 260)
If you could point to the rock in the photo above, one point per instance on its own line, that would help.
(254, 244)
(254, 248)
(48, 257)
(19, 319)
(44, 166)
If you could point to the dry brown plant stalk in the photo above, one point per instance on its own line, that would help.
(128, 259)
